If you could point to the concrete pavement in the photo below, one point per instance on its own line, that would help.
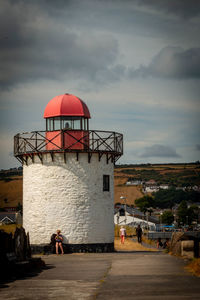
(107, 276)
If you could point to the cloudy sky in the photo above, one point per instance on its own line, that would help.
(136, 64)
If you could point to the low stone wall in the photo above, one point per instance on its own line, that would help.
(74, 248)
(14, 247)
(182, 244)
(187, 249)
(15, 255)
(175, 245)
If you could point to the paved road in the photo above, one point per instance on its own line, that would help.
(136, 275)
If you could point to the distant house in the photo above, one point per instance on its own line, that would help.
(7, 218)
(150, 182)
(151, 186)
(134, 182)
(178, 188)
(164, 187)
(10, 218)
(125, 215)
(150, 189)
(129, 183)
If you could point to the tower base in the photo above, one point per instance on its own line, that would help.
(74, 248)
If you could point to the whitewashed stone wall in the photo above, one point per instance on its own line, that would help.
(68, 196)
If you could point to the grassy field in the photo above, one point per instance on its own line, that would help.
(194, 267)
(12, 191)
(130, 245)
(11, 187)
(131, 193)
(177, 175)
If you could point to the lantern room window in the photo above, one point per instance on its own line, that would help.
(56, 123)
(49, 123)
(67, 123)
(76, 124)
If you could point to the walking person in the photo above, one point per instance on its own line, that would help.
(59, 240)
(139, 234)
(122, 234)
(159, 243)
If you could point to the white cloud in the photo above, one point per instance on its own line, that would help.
(171, 62)
(86, 48)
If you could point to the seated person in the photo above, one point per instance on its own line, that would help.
(67, 126)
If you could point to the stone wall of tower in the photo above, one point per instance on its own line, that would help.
(68, 196)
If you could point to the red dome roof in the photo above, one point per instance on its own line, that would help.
(66, 105)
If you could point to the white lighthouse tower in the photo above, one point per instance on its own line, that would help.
(68, 178)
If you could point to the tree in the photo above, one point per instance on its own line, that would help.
(168, 198)
(150, 210)
(187, 215)
(182, 212)
(167, 217)
(192, 214)
(144, 203)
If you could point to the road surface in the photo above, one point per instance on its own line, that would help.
(107, 276)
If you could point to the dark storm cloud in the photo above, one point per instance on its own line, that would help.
(198, 147)
(172, 62)
(184, 8)
(159, 151)
(67, 40)
(33, 46)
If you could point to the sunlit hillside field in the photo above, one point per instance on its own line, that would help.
(173, 175)
(10, 191)
(131, 193)
(180, 174)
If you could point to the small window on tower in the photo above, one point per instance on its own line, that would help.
(50, 126)
(106, 183)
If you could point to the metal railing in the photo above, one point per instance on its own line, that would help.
(91, 141)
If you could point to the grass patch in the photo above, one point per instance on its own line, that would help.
(194, 267)
(149, 242)
(11, 190)
(130, 245)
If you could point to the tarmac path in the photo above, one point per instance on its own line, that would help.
(107, 276)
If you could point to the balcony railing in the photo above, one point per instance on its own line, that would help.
(91, 141)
